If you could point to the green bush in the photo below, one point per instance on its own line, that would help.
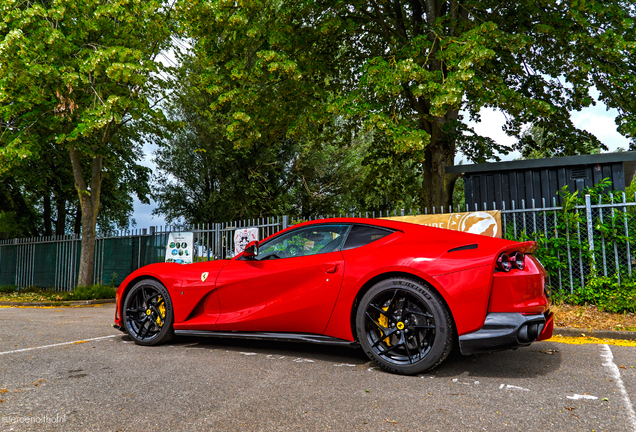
(94, 292)
(8, 289)
(31, 293)
(36, 290)
(603, 292)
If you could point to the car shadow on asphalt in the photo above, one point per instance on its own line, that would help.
(329, 353)
(526, 362)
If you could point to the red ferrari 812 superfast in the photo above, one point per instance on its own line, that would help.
(405, 293)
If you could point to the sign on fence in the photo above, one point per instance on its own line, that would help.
(242, 237)
(179, 248)
(487, 223)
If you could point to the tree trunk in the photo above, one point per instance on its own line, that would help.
(437, 188)
(89, 201)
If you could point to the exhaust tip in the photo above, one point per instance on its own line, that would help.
(529, 332)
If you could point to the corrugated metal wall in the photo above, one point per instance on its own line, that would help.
(504, 187)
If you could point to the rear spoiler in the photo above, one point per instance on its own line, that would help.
(528, 247)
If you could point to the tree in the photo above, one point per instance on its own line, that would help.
(39, 197)
(536, 143)
(408, 69)
(204, 178)
(75, 74)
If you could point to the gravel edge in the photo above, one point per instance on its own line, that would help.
(602, 334)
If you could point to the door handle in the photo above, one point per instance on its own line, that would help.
(332, 269)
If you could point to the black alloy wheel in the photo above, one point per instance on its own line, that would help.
(148, 313)
(404, 326)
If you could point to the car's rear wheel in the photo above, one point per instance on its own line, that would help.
(404, 326)
(148, 313)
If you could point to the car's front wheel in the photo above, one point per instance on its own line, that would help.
(404, 326)
(148, 313)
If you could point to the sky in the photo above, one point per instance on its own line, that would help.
(596, 120)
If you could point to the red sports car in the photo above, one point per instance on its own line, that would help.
(405, 293)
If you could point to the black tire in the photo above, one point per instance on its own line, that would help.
(404, 326)
(148, 314)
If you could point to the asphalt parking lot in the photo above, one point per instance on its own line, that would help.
(67, 369)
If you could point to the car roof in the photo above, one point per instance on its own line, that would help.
(384, 223)
(413, 230)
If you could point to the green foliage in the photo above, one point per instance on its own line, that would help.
(602, 291)
(605, 293)
(35, 294)
(404, 71)
(459, 196)
(82, 77)
(73, 72)
(630, 191)
(94, 292)
(8, 288)
(113, 278)
(568, 220)
(204, 177)
(537, 143)
(40, 198)
(10, 227)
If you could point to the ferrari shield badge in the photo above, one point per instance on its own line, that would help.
(204, 276)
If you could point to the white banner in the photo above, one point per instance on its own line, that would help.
(179, 247)
(242, 237)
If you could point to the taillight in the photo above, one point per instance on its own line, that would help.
(506, 262)
(503, 262)
(518, 260)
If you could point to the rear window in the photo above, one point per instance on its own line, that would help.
(361, 235)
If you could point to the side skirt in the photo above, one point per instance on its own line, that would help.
(281, 337)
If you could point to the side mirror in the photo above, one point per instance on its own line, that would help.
(251, 250)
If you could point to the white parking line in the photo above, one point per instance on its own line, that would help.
(606, 354)
(578, 396)
(512, 387)
(60, 344)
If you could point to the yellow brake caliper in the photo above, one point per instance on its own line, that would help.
(384, 322)
(162, 310)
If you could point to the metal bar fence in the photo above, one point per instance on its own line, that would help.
(595, 238)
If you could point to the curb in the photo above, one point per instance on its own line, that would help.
(601, 334)
(60, 303)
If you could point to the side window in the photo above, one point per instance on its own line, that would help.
(312, 240)
(361, 235)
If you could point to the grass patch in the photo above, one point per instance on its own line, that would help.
(34, 294)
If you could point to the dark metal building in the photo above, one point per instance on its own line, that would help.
(502, 183)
